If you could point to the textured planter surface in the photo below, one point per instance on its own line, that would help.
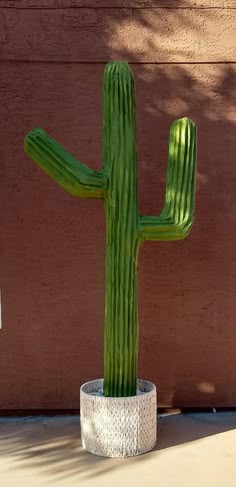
(118, 426)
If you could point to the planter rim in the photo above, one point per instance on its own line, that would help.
(152, 387)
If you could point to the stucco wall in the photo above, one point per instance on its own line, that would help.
(52, 246)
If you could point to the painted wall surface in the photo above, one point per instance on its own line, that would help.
(52, 246)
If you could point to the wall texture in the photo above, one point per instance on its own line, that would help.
(52, 246)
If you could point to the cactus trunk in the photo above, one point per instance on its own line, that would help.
(121, 324)
(121, 211)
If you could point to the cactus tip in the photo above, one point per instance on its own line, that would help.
(118, 68)
(32, 135)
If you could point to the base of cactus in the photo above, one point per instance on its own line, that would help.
(118, 426)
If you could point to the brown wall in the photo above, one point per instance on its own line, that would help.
(52, 246)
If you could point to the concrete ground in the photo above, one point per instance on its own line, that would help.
(194, 450)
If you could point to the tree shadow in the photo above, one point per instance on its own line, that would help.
(52, 446)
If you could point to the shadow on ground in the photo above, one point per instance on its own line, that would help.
(52, 446)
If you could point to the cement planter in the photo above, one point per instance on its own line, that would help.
(118, 426)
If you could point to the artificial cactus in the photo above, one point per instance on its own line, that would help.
(126, 229)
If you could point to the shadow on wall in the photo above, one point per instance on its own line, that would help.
(190, 339)
(52, 447)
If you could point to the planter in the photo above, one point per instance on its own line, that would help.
(118, 426)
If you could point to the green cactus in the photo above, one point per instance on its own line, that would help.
(125, 228)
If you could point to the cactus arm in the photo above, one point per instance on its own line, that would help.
(154, 228)
(74, 177)
(176, 218)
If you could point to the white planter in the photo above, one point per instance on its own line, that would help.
(118, 426)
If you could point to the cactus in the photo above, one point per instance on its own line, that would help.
(125, 228)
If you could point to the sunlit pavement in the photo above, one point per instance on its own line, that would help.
(193, 450)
